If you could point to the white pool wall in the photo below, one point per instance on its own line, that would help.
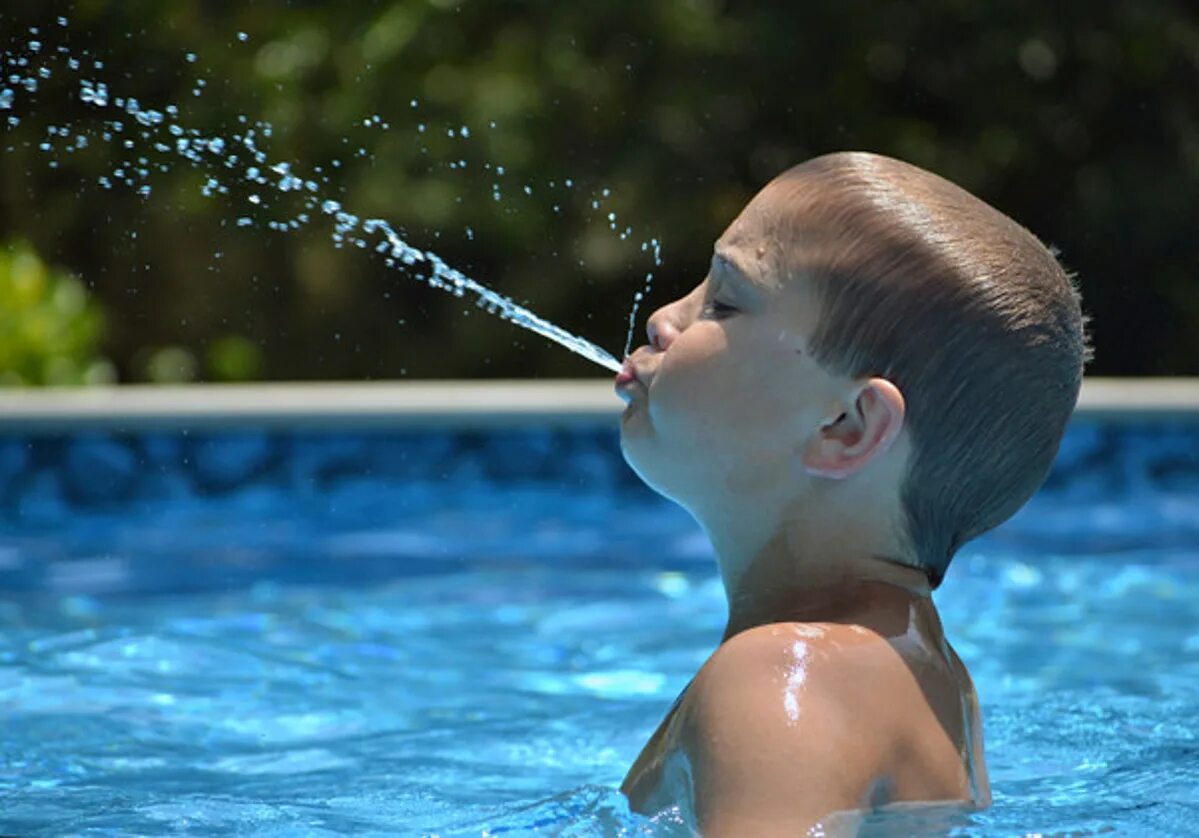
(458, 405)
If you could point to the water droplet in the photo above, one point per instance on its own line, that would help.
(193, 146)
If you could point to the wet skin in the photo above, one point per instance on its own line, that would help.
(790, 722)
(834, 688)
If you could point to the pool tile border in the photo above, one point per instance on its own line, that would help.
(446, 405)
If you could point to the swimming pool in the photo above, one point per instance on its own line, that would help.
(284, 631)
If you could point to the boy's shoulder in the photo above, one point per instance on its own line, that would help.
(793, 720)
(785, 677)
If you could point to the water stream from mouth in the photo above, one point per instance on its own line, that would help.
(157, 138)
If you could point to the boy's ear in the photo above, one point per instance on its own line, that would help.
(845, 443)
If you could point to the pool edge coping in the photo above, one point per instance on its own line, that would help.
(437, 404)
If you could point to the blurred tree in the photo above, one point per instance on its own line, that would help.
(1079, 120)
(49, 328)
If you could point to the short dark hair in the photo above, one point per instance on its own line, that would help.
(965, 311)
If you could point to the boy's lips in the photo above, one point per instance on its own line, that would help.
(627, 380)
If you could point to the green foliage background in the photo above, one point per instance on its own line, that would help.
(1080, 120)
(49, 329)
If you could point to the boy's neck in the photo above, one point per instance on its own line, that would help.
(790, 581)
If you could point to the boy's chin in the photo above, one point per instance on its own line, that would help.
(627, 450)
(641, 462)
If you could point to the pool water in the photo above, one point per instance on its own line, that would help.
(464, 634)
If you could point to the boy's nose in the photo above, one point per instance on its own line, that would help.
(661, 329)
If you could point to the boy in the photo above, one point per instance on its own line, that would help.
(878, 368)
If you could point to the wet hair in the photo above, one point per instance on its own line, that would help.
(960, 307)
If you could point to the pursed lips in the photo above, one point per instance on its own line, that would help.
(630, 379)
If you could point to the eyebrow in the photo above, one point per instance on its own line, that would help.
(726, 268)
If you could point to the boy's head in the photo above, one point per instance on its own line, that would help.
(871, 340)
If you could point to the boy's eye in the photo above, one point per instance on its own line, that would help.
(718, 310)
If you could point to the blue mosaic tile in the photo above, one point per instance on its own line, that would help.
(15, 455)
(329, 460)
(99, 469)
(224, 462)
(406, 473)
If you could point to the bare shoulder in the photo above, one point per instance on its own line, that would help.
(791, 681)
(788, 722)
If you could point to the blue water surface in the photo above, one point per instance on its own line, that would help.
(466, 634)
